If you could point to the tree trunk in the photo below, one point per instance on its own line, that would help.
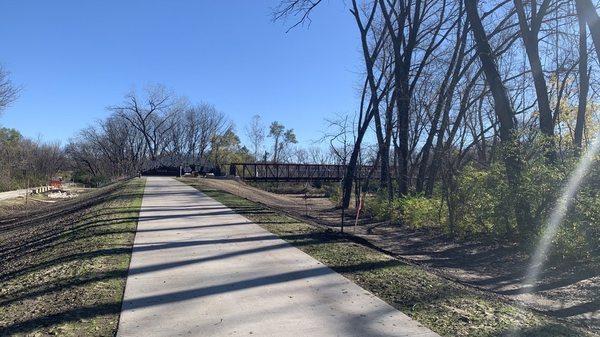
(437, 153)
(529, 33)
(539, 81)
(586, 10)
(402, 62)
(505, 114)
(385, 155)
(381, 148)
(445, 94)
(455, 75)
(276, 150)
(373, 110)
(584, 83)
(351, 167)
(403, 125)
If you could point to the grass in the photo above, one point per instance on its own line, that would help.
(446, 307)
(67, 276)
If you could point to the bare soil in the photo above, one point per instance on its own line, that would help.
(568, 291)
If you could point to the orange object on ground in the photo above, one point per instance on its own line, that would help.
(361, 204)
(56, 183)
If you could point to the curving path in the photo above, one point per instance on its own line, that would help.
(199, 269)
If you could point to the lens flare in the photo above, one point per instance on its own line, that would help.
(558, 214)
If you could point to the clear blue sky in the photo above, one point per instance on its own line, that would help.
(74, 58)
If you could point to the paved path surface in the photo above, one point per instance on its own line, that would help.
(198, 269)
(12, 194)
(17, 193)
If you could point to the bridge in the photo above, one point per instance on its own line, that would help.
(297, 172)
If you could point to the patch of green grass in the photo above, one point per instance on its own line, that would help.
(68, 278)
(446, 307)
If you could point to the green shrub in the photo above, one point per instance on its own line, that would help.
(378, 207)
(333, 192)
(579, 234)
(478, 203)
(481, 203)
(412, 211)
(418, 211)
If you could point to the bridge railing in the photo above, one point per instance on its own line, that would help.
(295, 172)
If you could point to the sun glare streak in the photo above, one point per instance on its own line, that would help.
(558, 214)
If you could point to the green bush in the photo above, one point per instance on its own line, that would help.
(478, 203)
(378, 207)
(333, 192)
(412, 211)
(579, 234)
(418, 211)
(483, 205)
(88, 180)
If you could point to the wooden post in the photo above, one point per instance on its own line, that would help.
(306, 198)
(361, 204)
(27, 190)
(343, 216)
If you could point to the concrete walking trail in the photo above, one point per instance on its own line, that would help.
(16, 193)
(199, 269)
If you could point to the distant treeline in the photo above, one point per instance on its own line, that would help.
(23, 160)
(158, 128)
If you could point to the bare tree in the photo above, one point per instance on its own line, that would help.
(317, 156)
(338, 133)
(189, 134)
(503, 110)
(587, 11)
(8, 91)
(530, 26)
(212, 123)
(255, 131)
(152, 115)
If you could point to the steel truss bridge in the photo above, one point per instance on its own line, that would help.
(297, 172)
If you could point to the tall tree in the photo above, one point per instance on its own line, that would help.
(443, 103)
(276, 131)
(371, 89)
(282, 138)
(530, 26)
(151, 115)
(504, 112)
(397, 17)
(255, 131)
(587, 11)
(584, 83)
(8, 91)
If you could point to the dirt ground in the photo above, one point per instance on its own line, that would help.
(566, 292)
